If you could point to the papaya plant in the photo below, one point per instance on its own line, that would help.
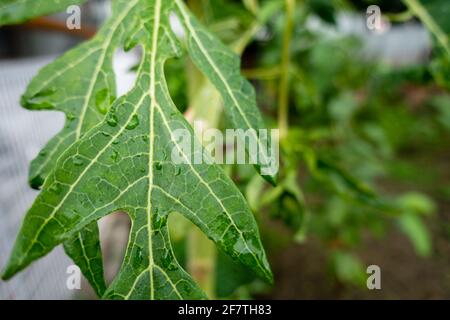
(114, 153)
(344, 121)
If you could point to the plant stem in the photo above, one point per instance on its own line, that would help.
(201, 254)
(283, 97)
(400, 17)
(252, 5)
(269, 73)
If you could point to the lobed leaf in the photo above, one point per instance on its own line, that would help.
(222, 66)
(81, 84)
(122, 164)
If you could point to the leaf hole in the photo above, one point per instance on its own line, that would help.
(125, 65)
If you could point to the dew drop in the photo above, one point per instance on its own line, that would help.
(112, 120)
(102, 101)
(158, 166)
(78, 161)
(134, 122)
(177, 171)
(37, 182)
(139, 257)
(70, 116)
(115, 156)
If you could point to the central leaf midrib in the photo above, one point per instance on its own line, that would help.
(155, 36)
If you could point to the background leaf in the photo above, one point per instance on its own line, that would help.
(16, 11)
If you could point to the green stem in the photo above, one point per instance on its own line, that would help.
(283, 98)
(400, 17)
(269, 73)
(202, 254)
(252, 5)
(417, 8)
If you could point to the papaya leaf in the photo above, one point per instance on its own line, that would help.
(122, 164)
(85, 102)
(222, 66)
(16, 11)
(84, 249)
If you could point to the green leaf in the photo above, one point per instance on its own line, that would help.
(417, 233)
(16, 11)
(84, 249)
(122, 164)
(222, 67)
(348, 268)
(81, 83)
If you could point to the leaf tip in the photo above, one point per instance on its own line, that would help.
(269, 277)
(272, 179)
(7, 273)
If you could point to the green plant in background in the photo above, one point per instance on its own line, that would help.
(345, 124)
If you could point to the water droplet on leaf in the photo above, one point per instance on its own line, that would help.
(70, 116)
(112, 120)
(134, 122)
(78, 161)
(37, 182)
(139, 257)
(115, 156)
(103, 101)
